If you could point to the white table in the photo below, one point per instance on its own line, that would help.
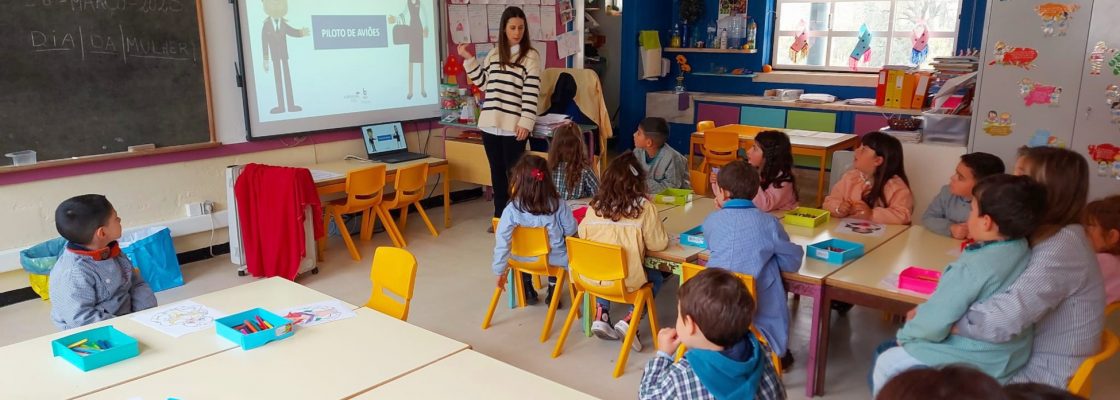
(329, 361)
(471, 375)
(40, 375)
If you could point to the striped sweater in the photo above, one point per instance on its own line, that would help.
(511, 90)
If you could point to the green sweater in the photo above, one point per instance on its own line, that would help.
(983, 270)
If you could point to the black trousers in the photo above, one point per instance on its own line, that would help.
(502, 152)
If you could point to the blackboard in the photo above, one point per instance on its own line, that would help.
(80, 78)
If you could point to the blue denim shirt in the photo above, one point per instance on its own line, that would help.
(559, 224)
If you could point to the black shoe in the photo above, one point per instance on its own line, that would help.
(787, 361)
(531, 297)
(548, 298)
(842, 307)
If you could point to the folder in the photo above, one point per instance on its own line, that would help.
(895, 80)
(909, 81)
(881, 88)
(921, 90)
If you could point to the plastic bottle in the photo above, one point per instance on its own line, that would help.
(735, 39)
(723, 38)
(713, 35)
(752, 32)
(675, 39)
(467, 113)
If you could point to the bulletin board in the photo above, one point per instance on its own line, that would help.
(471, 20)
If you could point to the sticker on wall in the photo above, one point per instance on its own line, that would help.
(862, 49)
(1097, 56)
(1056, 17)
(800, 48)
(1043, 138)
(998, 124)
(1014, 56)
(920, 40)
(1038, 93)
(1114, 63)
(1112, 98)
(1105, 155)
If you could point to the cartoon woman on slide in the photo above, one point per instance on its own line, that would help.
(274, 41)
(413, 35)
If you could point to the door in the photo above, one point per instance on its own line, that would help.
(1097, 131)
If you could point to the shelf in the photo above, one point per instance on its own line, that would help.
(726, 75)
(698, 50)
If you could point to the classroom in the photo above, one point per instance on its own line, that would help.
(190, 214)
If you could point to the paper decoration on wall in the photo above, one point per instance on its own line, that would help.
(1043, 138)
(1114, 63)
(920, 39)
(1097, 56)
(1112, 98)
(1038, 93)
(459, 24)
(800, 47)
(1056, 17)
(567, 43)
(1105, 155)
(460, 2)
(533, 14)
(479, 28)
(862, 49)
(548, 23)
(728, 7)
(998, 124)
(494, 21)
(567, 14)
(1014, 56)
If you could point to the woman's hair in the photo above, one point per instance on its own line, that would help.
(503, 42)
(1066, 177)
(777, 160)
(890, 149)
(567, 147)
(622, 190)
(1106, 214)
(531, 184)
(951, 382)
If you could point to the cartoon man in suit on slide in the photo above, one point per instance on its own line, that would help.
(274, 41)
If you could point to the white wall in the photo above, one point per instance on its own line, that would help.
(221, 50)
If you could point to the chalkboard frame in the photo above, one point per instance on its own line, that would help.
(213, 142)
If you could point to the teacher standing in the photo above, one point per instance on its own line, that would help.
(510, 78)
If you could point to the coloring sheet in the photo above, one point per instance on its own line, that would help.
(178, 319)
(318, 313)
(861, 227)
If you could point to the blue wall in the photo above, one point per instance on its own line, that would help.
(660, 15)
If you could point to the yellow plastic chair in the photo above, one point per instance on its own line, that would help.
(700, 127)
(393, 272)
(590, 263)
(364, 190)
(720, 148)
(529, 243)
(1112, 308)
(689, 270)
(409, 190)
(1081, 384)
(699, 182)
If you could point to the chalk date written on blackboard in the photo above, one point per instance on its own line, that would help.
(143, 6)
(117, 44)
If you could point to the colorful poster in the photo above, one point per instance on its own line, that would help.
(1056, 17)
(1014, 56)
(727, 7)
(998, 124)
(459, 24)
(1112, 98)
(1106, 156)
(1038, 93)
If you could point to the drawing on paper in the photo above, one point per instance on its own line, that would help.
(318, 313)
(188, 315)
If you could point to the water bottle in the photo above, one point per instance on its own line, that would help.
(735, 41)
(675, 39)
(752, 32)
(713, 38)
(723, 38)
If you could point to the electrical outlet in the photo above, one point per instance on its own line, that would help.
(199, 208)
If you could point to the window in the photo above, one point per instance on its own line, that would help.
(824, 34)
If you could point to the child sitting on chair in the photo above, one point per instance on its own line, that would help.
(92, 281)
(665, 167)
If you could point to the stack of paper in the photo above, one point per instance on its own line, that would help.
(819, 98)
(549, 122)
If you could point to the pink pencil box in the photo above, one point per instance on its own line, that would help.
(919, 279)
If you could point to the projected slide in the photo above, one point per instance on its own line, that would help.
(327, 64)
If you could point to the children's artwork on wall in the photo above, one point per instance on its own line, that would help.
(318, 313)
(727, 7)
(1043, 137)
(1056, 17)
(1112, 98)
(920, 39)
(1105, 155)
(998, 124)
(862, 49)
(1114, 63)
(799, 50)
(1097, 56)
(1014, 56)
(1037, 93)
(861, 227)
(178, 319)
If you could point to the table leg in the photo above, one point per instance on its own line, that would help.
(822, 316)
(446, 196)
(820, 180)
(819, 319)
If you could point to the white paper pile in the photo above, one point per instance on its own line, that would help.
(549, 122)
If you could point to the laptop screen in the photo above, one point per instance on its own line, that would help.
(383, 138)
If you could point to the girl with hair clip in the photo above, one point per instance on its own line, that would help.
(570, 164)
(535, 204)
(620, 214)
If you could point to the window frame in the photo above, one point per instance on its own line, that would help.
(830, 34)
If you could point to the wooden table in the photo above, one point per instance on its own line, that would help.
(809, 280)
(42, 376)
(471, 375)
(862, 282)
(436, 166)
(820, 145)
(330, 361)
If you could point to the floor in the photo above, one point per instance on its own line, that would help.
(453, 288)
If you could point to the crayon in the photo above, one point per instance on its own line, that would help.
(250, 326)
(78, 343)
(266, 325)
(95, 346)
(260, 322)
(104, 344)
(80, 352)
(243, 330)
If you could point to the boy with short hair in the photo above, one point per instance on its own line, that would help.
(92, 281)
(947, 214)
(724, 359)
(743, 239)
(1003, 214)
(665, 167)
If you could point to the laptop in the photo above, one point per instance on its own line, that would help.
(385, 143)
